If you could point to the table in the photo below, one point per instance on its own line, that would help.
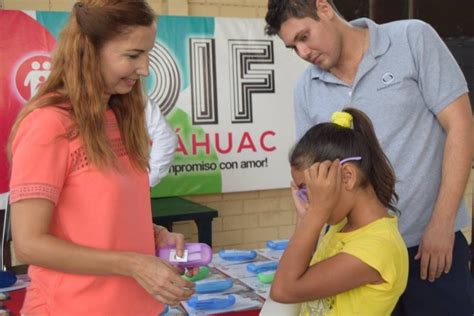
(246, 285)
(172, 209)
(238, 274)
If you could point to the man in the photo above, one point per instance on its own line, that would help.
(405, 79)
(163, 143)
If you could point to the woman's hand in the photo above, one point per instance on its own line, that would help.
(161, 279)
(164, 238)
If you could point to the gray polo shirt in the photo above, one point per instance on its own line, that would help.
(404, 80)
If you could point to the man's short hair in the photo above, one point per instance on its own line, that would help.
(281, 10)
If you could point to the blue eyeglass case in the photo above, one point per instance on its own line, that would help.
(211, 303)
(213, 286)
(259, 267)
(278, 244)
(237, 255)
(7, 279)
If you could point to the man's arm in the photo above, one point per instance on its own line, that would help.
(163, 143)
(436, 246)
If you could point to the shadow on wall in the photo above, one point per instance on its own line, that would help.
(463, 50)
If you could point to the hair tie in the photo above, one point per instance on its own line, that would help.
(343, 119)
(78, 5)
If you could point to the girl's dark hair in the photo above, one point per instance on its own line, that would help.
(329, 141)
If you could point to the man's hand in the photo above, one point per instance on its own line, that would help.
(435, 251)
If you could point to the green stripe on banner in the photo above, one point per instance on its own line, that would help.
(199, 181)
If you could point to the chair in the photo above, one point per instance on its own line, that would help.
(5, 221)
(472, 235)
(5, 241)
(167, 210)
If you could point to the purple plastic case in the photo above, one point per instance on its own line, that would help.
(195, 255)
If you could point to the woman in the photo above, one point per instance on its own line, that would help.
(79, 187)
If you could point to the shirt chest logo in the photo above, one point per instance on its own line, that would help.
(387, 78)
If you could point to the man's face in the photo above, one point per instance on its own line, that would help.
(317, 42)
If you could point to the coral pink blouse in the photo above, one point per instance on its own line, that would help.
(102, 209)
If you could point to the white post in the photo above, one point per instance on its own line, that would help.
(371, 10)
(411, 9)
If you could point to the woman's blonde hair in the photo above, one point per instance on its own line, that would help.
(76, 79)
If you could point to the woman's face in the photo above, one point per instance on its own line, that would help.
(124, 59)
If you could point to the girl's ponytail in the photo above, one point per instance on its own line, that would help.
(380, 171)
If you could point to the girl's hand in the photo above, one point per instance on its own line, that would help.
(323, 182)
(161, 279)
(301, 207)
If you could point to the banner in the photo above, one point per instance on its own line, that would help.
(224, 86)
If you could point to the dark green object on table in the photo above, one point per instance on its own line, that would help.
(167, 210)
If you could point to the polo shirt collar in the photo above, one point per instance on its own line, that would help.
(379, 44)
(379, 40)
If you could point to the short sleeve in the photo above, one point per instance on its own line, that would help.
(40, 157)
(302, 120)
(163, 143)
(440, 78)
(377, 252)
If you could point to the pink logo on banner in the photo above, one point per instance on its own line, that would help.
(24, 65)
(31, 74)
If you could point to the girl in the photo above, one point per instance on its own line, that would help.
(80, 195)
(341, 177)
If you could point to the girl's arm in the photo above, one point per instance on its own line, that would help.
(35, 245)
(294, 280)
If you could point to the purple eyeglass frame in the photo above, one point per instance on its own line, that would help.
(302, 193)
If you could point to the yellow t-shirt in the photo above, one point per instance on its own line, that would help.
(378, 244)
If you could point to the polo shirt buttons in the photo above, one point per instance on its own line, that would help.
(350, 93)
